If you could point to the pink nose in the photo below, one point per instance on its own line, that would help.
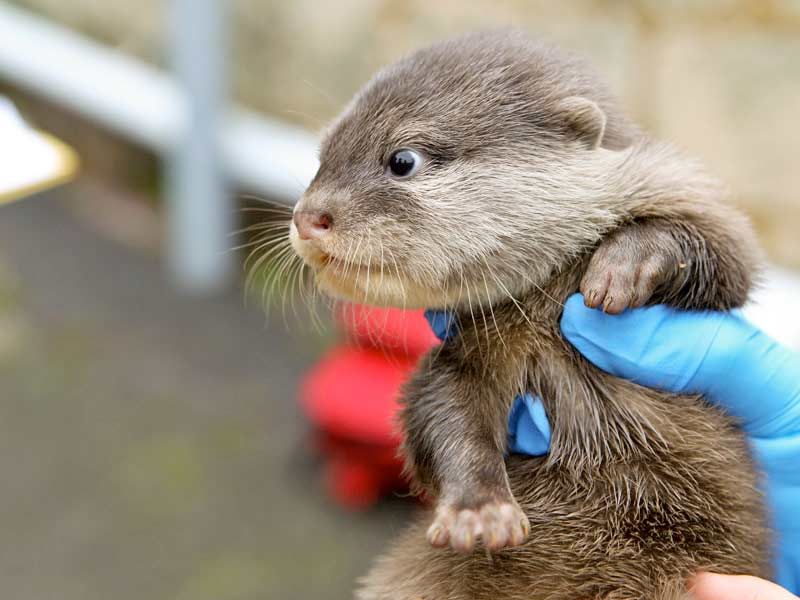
(312, 224)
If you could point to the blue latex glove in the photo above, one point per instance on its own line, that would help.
(720, 355)
(725, 358)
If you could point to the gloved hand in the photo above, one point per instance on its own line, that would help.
(719, 355)
(729, 361)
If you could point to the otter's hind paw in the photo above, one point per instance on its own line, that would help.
(498, 524)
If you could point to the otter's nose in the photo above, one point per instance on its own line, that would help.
(312, 224)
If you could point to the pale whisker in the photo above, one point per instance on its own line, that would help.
(491, 310)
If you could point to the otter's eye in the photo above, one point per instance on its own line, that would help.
(404, 163)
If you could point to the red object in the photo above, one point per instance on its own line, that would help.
(351, 398)
(390, 329)
(357, 475)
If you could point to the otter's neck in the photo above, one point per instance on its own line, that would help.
(594, 417)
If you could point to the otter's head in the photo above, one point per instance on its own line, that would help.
(466, 172)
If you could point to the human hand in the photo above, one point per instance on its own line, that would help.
(720, 355)
(713, 586)
(732, 363)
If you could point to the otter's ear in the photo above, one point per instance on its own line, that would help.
(585, 118)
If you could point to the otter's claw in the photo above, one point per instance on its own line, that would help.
(618, 278)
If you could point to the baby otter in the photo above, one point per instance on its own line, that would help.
(494, 176)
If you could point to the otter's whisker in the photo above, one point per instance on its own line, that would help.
(485, 324)
(276, 250)
(474, 323)
(491, 310)
(268, 237)
(402, 288)
(277, 255)
(266, 226)
(287, 288)
(345, 262)
(370, 332)
(352, 262)
(310, 298)
(271, 203)
(368, 262)
(511, 297)
(255, 270)
(538, 287)
(461, 290)
(283, 275)
(269, 215)
(299, 113)
(327, 96)
(262, 239)
(268, 288)
(397, 273)
(297, 267)
(380, 281)
(380, 285)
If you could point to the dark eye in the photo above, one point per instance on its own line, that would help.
(404, 163)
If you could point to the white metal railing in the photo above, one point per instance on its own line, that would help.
(183, 116)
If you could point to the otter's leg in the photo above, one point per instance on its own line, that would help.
(700, 263)
(455, 419)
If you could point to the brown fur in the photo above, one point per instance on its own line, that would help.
(535, 185)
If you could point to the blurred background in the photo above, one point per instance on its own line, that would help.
(151, 440)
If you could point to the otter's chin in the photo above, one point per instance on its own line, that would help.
(311, 254)
(365, 286)
(369, 284)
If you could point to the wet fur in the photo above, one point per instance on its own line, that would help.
(524, 200)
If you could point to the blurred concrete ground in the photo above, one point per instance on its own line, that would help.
(150, 444)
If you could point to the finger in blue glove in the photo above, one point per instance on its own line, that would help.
(528, 427)
(443, 323)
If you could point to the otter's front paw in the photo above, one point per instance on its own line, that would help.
(499, 524)
(621, 275)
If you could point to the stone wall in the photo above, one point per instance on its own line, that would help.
(720, 78)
